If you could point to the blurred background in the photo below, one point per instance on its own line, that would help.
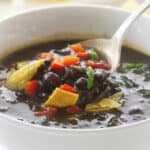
(8, 7)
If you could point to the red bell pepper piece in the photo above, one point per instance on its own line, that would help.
(31, 88)
(100, 65)
(84, 55)
(41, 113)
(46, 111)
(73, 109)
(57, 66)
(103, 66)
(69, 88)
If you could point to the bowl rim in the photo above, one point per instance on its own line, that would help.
(24, 124)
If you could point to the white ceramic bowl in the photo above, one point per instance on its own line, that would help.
(40, 24)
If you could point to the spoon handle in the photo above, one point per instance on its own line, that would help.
(119, 35)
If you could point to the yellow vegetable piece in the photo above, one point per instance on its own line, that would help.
(61, 98)
(19, 65)
(116, 97)
(22, 64)
(105, 104)
(18, 79)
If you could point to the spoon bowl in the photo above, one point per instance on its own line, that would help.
(110, 49)
(107, 49)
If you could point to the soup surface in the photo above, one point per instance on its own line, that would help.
(68, 88)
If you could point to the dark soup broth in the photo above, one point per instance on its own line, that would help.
(70, 87)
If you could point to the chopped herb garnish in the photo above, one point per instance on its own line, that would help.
(128, 82)
(93, 54)
(145, 93)
(134, 66)
(138, 68)
(90, 80)
(114, 84)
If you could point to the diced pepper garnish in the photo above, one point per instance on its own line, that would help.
(70, 60)
(91, 63)
(69, 88)
(103, 66)
(83, 55)
(57, 66)
(46, 111)
(93, 55)
(73, 109)
(90, 80)
(61, 98)
(41, 113)
(52, 110)
(31, 88)
(48, 55)
(100, 65)
(77, 47)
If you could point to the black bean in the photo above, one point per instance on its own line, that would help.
(85, 98)
(81, 83)
(42, 92)
(82, 101)
(42, 96)
(72, 73)
(51, 79)
(104, 91)
(78, 69)
(100, 75)
(40, 86)
(60, 72)
(69, 73)
(90, 96)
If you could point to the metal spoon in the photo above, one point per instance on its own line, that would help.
(111, 48)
